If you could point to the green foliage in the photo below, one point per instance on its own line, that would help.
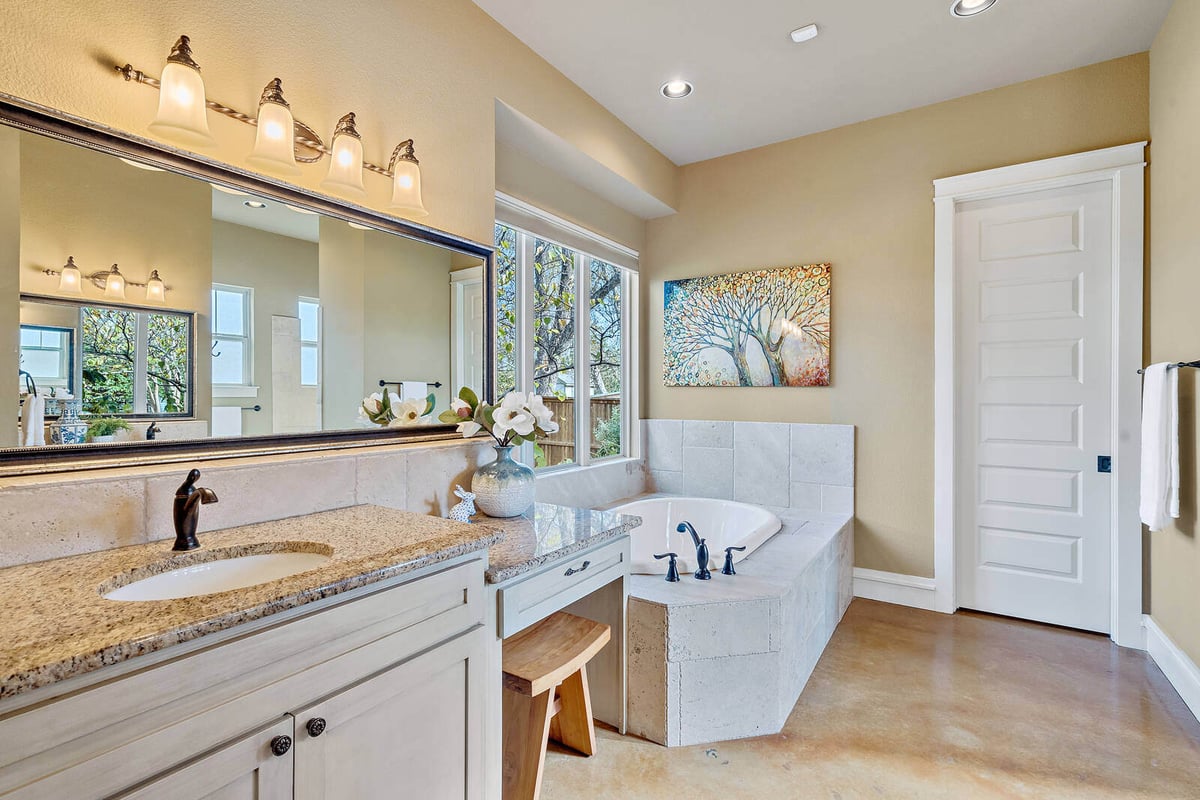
(109, 353)
(608, 436)
(105, 426)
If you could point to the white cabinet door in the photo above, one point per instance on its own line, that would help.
(247, 769)
(414, 731)
(1035, 341)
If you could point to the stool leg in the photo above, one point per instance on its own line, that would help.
(573, 725)
(526, 726)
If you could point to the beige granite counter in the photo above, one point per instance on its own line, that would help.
(57, 624)
(547, 533)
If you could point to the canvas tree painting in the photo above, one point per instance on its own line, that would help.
(763, 328)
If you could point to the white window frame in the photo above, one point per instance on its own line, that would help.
(247, 339)
(523, 346)
(310, 344)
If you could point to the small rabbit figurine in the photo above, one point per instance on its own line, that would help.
(464, 510)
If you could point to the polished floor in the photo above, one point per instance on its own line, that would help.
(913, 704)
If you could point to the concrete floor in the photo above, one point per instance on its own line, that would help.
(913, 704)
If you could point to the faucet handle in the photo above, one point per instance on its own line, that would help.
(728, 568)
(672, 570)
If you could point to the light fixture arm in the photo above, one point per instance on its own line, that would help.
(305, 136)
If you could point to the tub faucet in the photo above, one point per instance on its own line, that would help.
(701, 573)
(188, 499)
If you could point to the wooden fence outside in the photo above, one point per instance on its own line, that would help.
(560, 447)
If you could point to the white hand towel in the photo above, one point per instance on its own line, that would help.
(1160, 446)
(413, 390)
(33, 421)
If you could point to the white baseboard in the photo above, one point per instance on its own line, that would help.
(1180, 670)
(892, 587)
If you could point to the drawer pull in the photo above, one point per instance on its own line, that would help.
(280, 745)
(315, 727)
(570, 572)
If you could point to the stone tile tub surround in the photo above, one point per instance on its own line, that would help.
(57, 624)
(52, 516)
(778, 465)
(727, 658)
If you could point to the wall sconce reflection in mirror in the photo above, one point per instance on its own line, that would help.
(70, 281)
(183, 117)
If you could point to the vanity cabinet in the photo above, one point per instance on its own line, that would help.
(395, 672)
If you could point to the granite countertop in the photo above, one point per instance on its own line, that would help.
(547, 533)
(57, 624)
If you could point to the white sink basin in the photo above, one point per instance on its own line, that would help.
(220, 575)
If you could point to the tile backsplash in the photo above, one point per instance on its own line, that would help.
(779, 465)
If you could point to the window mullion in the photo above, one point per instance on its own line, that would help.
(583, 362)
(141, 360)
(523, 380)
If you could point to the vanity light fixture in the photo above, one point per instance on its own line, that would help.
(280, 140)
(969, 8)
(182, 113)
(114, 284)
(807, 33)
(676, 89)
(346, 164)
(274, 143)
(70, 279)
(156, 290)
(406, 181)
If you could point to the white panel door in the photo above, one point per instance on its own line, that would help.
(1035, 409)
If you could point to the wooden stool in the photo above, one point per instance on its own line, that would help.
(546, 696)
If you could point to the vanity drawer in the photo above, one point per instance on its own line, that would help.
(557, 585)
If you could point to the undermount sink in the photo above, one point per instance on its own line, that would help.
(219, 575)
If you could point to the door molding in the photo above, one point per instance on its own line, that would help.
(1124, 168)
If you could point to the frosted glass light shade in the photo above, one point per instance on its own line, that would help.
(70, 280)
(182, 114)
(275, 144)
(406, 188)
(156, 290)
(114, 284)
(346, 166)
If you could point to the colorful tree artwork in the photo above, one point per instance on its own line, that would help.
(768, 327)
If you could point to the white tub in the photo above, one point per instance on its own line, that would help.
(722, 523)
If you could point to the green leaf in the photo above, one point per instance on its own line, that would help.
(430, 402)
(449, 417)
(469, 397)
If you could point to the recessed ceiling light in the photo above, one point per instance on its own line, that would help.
(806, 33)
(254, 204)
(676, 89)
(228, 190)
(300, 210)
(969, 8)
(359, 226)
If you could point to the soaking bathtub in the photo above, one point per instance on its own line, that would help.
(722, 523)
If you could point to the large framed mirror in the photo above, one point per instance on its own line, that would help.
(162, 307)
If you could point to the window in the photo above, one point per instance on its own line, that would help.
(560, 332)
(310, 342)
(231, 335)
(135, 362)
(47, 354)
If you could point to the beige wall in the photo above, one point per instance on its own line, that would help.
(860, 197)
(76, 202)
(281, 270)
(1174, 284)
(343, 295)
(427, 69)
(524, 178)
(10, 275)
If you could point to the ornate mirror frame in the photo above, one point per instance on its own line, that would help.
(26, 116)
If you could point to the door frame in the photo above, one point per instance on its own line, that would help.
(1124, 168)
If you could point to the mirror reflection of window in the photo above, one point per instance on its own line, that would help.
(310, 341)
(231, 334)
(47, 354)
(134, 362)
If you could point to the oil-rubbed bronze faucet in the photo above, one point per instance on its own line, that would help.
(188, 498)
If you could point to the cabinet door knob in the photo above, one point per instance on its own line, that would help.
(281, 744)
(315, 727)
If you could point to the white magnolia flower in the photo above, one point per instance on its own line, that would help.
(407, 412)
(513, 415)
(543, 415)
(372, 404)
(469, 428)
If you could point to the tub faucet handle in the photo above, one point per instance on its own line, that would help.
(728, 568)
(672, 570)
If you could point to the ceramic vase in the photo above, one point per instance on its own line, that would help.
(68, 428)
(503, 488)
